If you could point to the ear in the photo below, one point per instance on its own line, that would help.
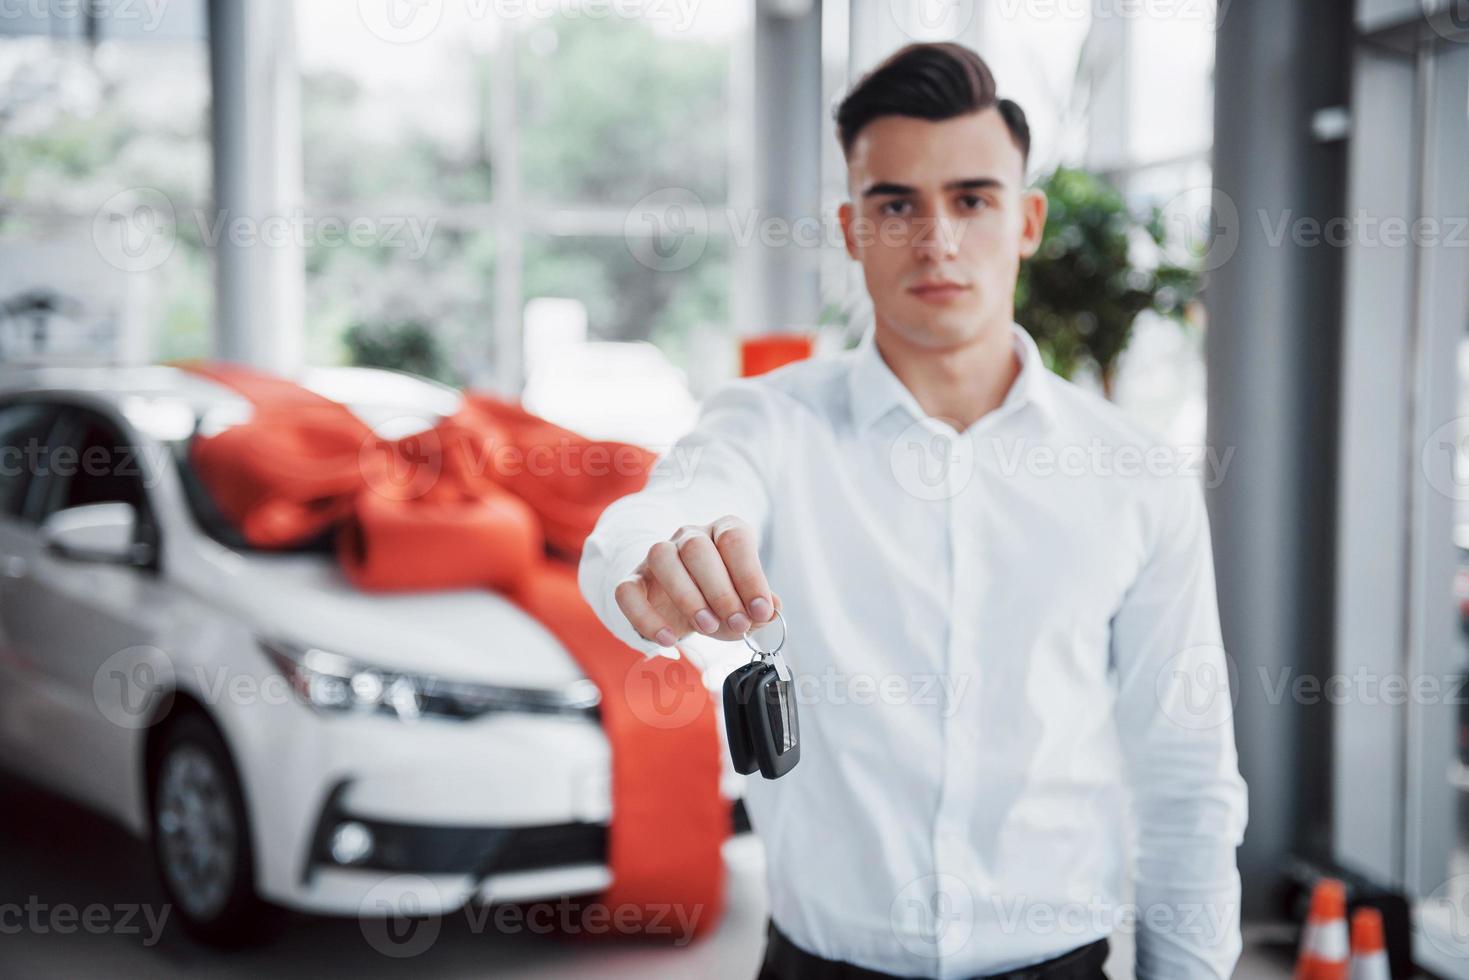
(846, 214)
(1033, 220)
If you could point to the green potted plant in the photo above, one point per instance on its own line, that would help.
(406, 345)
(1080, 294)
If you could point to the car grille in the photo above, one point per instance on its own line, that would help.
(480, 851)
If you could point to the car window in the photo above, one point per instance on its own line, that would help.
(25, 429)
(99, 466)
(92, 463)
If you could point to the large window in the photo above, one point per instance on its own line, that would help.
(105, 184)
(1169, 110)
(521, 148)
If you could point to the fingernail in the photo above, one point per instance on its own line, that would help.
(706, 621)
(761, 609)
(665, 637)
(739, 622)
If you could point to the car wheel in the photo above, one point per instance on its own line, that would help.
(201, 836)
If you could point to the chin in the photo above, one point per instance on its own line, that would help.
(940, 329)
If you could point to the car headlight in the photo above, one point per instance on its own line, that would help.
(335, 684)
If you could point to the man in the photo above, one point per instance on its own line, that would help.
(1001, 606)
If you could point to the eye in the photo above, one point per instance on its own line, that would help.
(973, 202)
(890, 207)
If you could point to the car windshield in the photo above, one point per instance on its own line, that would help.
(394, 405)
(211, 519)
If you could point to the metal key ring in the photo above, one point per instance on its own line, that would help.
(768, 653)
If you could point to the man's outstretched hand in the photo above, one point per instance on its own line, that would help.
(705, 578)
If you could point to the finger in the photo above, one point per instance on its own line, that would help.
(667, 567)
(632, 599)
(736, 543)
(664, 607)
(706, 566)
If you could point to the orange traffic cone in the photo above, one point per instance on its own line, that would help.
(1369, 950)
(1324, 940)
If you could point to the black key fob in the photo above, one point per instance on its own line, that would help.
(773, 719)
(736, 718)
(760, 714)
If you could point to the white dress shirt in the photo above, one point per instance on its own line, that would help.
(1008, 667)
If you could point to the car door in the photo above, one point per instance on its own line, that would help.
(26, 429)
(90, 631)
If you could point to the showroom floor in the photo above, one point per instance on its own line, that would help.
(58, 857)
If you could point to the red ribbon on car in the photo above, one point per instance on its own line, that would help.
(494, 496)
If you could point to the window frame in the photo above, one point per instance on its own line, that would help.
(72, 422)
(27, 515)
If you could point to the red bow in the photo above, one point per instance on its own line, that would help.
(479, 500)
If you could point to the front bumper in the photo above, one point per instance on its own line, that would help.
(482, 852)
(426, 870)
(508, 807)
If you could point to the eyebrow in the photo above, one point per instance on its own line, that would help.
(888, 188)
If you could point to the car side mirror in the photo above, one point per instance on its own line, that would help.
(104, 532)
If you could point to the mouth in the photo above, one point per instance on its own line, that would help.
(938, 291)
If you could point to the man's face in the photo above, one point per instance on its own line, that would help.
(936, 203)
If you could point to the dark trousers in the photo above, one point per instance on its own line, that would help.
(784, 960)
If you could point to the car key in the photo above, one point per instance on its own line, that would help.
(738, 727)
(777, 739)
(760, 713)
(736, 723)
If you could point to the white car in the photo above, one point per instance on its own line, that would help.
(281, 738)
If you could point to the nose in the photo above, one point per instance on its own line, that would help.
(939, 239)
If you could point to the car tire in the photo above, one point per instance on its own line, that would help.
(200, 835)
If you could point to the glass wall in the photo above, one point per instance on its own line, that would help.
(1401, 712)
(1437, 814)
(104, 183)
(526, 148)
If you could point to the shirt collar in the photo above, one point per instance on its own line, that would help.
(875, 390)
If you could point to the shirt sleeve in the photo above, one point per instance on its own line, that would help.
(1175, 701)
(718, 469)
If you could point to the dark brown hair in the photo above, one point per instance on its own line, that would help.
(934, 81)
